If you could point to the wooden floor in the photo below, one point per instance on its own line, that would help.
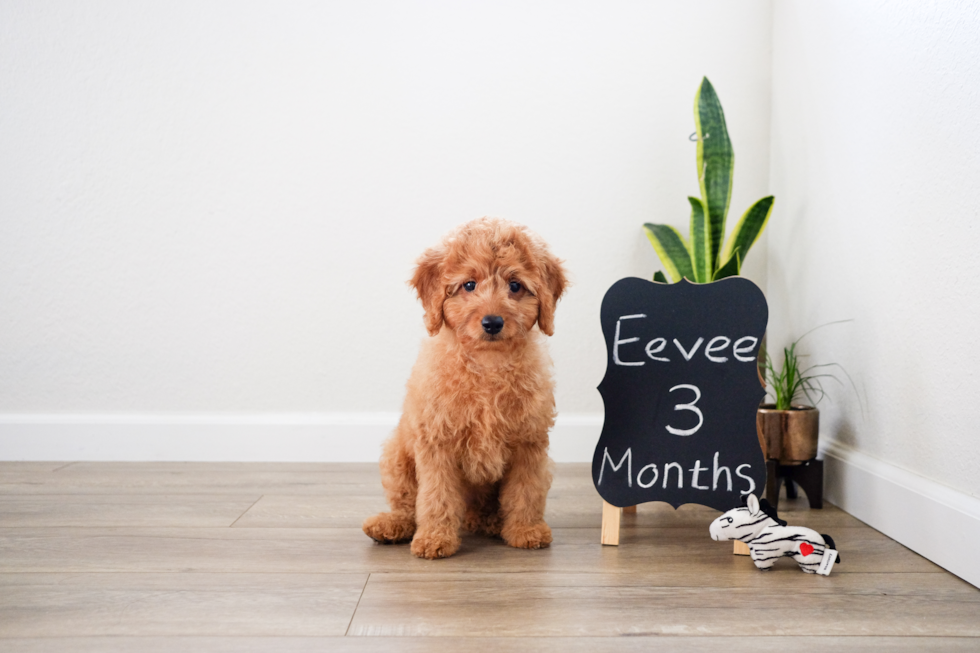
(270, 557)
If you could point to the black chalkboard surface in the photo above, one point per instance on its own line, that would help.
(681, 391)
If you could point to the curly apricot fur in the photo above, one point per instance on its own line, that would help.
(471, 447)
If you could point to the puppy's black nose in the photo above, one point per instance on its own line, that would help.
(493, 324)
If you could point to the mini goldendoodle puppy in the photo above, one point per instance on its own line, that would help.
(471, 448)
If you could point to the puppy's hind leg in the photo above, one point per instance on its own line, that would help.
(401, 489)
(523, 493)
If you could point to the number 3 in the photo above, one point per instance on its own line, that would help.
(691, 407)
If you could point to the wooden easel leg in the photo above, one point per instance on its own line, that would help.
(741, 548)
(629, 510)
(610, 524)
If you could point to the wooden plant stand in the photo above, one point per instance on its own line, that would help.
(808, 475)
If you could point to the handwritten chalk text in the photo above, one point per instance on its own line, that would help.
(650, 474)
(742, 349)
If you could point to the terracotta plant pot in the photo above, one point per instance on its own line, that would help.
(790, 436)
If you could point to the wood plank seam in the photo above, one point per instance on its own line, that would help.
(246, 511)
(354, 611)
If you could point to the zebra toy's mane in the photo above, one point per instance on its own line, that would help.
(770, 511)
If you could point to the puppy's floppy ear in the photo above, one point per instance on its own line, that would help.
(552, 287)
(428, 283)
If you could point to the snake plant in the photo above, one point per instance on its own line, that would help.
(702, 259)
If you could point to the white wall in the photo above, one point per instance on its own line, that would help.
(876, 168)
(212, 207)
(876, 165)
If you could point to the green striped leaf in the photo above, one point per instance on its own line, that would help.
(716, 162)
(659, 277)
(701, 255)
(672, 250)
(749, 228)
(731, 268)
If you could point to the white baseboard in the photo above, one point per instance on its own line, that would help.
(935, 521)
(272, 437)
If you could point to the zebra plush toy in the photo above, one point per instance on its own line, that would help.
(769, 538)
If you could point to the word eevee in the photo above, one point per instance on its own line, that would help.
(769, 538)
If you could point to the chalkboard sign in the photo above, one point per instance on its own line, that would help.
(681, 391)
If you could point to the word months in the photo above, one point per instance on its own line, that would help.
(650, 474)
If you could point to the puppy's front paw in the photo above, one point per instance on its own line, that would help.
(388, 528)
(527, 536)
(432, 545)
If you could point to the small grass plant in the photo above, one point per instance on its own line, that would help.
(791, 381)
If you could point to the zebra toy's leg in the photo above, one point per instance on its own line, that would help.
(764, 558)
(807, 566)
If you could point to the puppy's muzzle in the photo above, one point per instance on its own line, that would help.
(493, 324)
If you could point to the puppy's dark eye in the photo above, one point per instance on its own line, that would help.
(470, 286)
(515, 287)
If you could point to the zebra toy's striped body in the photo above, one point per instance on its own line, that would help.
(770, 539)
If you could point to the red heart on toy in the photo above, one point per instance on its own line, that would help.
(806, 549)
